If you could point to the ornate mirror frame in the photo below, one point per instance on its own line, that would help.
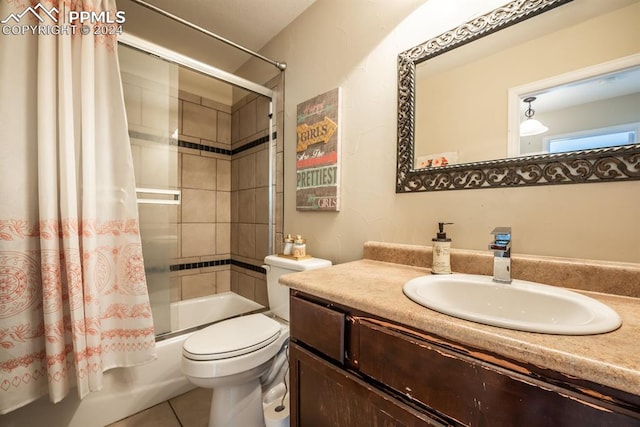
(597, 165)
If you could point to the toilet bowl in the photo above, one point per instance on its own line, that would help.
(240, 357)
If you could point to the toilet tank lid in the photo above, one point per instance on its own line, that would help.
(301, 265)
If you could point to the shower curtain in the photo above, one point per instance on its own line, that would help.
(73, 295)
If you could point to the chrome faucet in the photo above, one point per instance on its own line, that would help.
(501, 247)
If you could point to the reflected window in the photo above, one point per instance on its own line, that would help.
(596, 138)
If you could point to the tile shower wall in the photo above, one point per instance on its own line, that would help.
(202, 265)
(221, 226)
(250, 192)
(199, 163)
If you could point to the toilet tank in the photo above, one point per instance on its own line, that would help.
(279, 294)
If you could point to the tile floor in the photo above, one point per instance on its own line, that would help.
(187, 410)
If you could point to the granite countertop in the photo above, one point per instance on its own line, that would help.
(611, 359)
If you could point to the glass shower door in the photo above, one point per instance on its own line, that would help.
(151, 100)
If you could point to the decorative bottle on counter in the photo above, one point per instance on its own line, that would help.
(299, 247)
(288, 245)
(441, 251)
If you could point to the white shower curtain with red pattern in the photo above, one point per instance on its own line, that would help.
(73, 295)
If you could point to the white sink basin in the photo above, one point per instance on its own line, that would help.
(520, 305)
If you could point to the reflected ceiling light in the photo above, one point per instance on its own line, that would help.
(531, 126)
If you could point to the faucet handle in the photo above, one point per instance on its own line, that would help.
(501, 244)
(502, 233)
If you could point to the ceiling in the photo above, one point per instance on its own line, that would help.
(249, 23)
(598, 88)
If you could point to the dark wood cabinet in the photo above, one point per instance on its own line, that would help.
(352, 369)
(325, 395)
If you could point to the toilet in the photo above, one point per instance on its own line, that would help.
(241, 357)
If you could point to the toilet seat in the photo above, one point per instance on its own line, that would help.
(232, 338)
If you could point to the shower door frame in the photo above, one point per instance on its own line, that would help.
(218, 74)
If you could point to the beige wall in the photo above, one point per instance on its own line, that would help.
(354, 45)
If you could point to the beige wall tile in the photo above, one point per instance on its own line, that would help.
(174, 238)
(235, 175)
(223, 238)
(223, 281)
(176, 288)
(198, 205)
(262, 167)
(235, 282)
(235, 127)
(247, 125)
(179, 243)
(246, 172)
(224, 128)
(262, 241)
(262, 113)
(156, 219)
(216, 105)
(247, 240)
(198, 285)
(158, 166)
(189, 97)
(223, 170)
(223, 206)
(261, 295)
(247, 206)
(247, 286)
(198, 239)
(235, 237)
(262, 205)
(188, 138)
(174, 115)
(235, 206)
(157, 112)
(199, 121)
(180, 155)
(198, 172)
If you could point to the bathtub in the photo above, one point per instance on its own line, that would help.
(193, 312)
(130, 390)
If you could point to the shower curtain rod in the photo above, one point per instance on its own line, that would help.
(279, 65)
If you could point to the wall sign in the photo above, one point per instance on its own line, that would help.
(318, 153)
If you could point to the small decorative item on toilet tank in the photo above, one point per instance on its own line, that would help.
(288, 245)
(299, 247)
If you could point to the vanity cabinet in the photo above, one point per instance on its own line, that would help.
(351, 369)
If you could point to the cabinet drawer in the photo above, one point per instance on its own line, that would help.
(319, 327)
(473, 392)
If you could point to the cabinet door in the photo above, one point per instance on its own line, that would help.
(476, 393)
(324, 395)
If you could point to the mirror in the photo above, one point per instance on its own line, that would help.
(595, 107)
(459, 129)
